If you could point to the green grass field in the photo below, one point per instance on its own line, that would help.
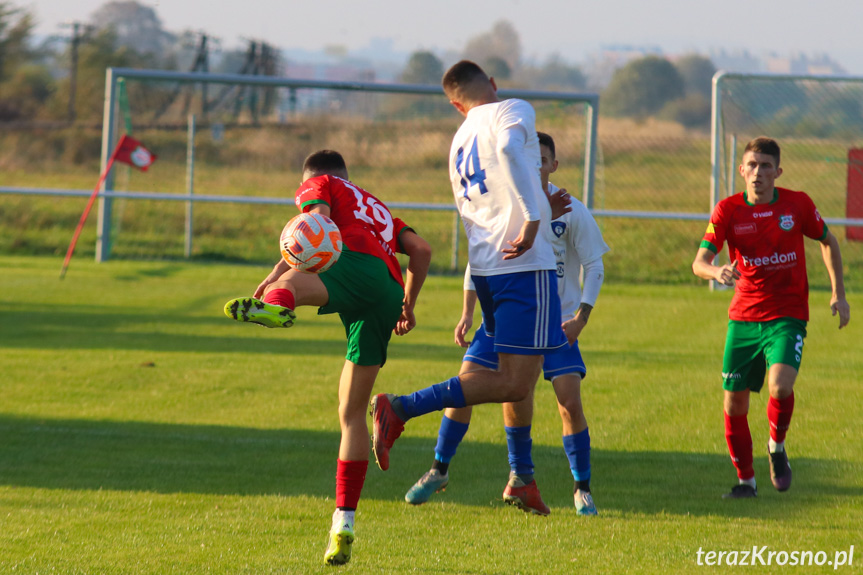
(144, 432)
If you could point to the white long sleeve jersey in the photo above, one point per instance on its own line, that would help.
(577, 243)
(494, 169)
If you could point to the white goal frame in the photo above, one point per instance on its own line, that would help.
(111, 120)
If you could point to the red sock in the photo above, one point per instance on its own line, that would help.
(350, 476)
(282, 297)
(779, 415)
(739, 444)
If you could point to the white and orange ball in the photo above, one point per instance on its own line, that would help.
(311, 242)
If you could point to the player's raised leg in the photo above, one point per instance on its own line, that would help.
(524, 325)
(275, 307)
(390, 412)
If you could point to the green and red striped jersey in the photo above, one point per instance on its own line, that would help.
(766, 241)
(366, 224)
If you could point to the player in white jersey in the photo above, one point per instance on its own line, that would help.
(578, 244)
(495, 193)
(494, 168)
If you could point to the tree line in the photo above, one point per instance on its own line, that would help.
(61, 78)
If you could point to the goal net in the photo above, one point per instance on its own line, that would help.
(818, 122)
(252, 134)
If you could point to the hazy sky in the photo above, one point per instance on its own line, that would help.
(571, 28)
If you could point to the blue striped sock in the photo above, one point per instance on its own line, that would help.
(519, 443)
(448, 438)
(434, 398)
(577, 448)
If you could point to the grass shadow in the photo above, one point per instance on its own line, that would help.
(99, 328)
(170, 458)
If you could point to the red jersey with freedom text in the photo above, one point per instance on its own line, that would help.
(366, 224)
(766, 241)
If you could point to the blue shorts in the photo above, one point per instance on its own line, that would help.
(563, 361)
(521, 311)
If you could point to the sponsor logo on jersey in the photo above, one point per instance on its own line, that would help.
(762, 214)
(817, 216)
(775, 259)
(560, 269)
(710, 229)
(558, 228)
(743, 229)
(786, 222)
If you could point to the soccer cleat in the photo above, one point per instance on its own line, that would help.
(429, 484)
(525, 496)
(741, 491)
(387, 427)
(339, 548)
(780, 470)
(584, 503)
(253, 310)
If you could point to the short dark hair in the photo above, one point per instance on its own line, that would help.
(460, 75)
(325, 162)
(764, 145)
(548, 142)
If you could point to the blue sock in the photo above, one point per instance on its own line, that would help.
(448, 437)
(577, 449)
(519, 443)
(434, 398)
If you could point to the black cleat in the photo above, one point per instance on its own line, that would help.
(741, 491)
(780, 471)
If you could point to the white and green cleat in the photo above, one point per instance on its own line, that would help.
(584, 503)
(429, 484)
(253, 310)
(341, 540)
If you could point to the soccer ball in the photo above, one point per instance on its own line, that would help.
(311, 242)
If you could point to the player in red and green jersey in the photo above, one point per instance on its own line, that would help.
(366, 289)
(365, 223)
(764, 227)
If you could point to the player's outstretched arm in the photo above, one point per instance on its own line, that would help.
(703, 267)
(832, 257)
(419, 258)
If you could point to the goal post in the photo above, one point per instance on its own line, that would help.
(816, 119)
(818, 122)
(402, 128)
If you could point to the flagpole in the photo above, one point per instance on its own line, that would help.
(86, 213)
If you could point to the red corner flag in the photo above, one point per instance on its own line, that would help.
(131, 151)
(128, 151)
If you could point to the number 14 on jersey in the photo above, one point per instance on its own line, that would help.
(470, 171)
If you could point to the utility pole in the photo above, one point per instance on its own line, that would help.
(79, 33)
(203, 63)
